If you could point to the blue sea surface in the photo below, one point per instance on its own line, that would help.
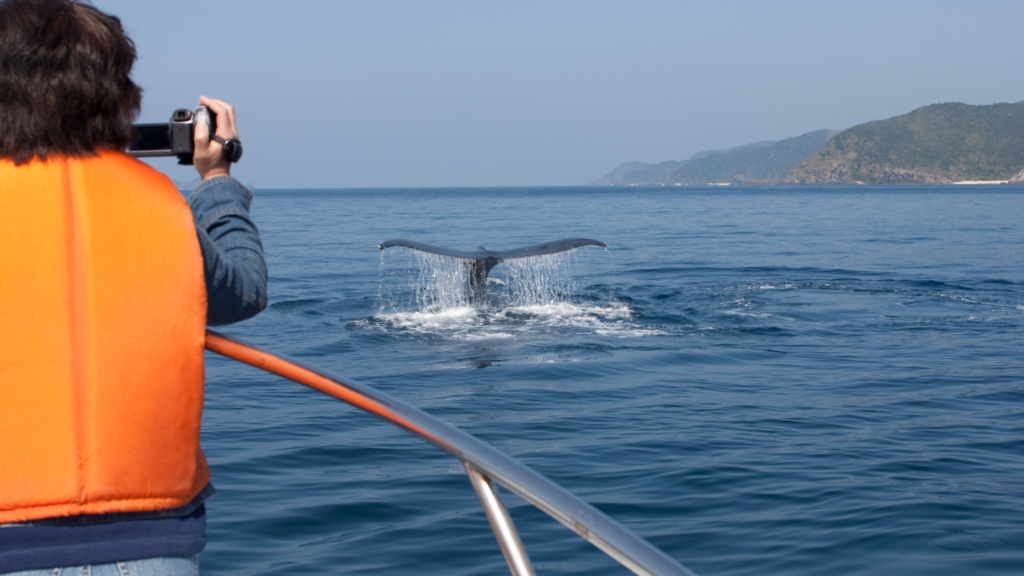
(757, 380)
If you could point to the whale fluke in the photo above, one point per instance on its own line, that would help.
(480, 261)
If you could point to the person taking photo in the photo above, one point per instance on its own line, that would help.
(108, 278)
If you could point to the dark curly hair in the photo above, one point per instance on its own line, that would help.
(65, 85)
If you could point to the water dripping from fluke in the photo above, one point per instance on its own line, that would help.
(534, 293)
(481, 261)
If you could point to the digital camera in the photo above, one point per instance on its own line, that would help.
(176, 138)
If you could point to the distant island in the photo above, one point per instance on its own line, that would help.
(765, 162)
(187, 186)
(190, 185)
(937, 144)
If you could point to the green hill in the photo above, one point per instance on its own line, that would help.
(935, 144)
(758, 163)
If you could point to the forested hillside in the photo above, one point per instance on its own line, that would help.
(935, 144)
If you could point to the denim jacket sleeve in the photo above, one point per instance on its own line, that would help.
(236, 273)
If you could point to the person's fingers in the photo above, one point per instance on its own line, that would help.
(208, 156)
(225, 120)
(201, 135)
(206, 144)
(225, 112)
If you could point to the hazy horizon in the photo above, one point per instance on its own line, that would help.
(405, 94)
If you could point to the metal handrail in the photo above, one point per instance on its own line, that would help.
(483, 462)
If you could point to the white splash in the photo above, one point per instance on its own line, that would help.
(525, 297)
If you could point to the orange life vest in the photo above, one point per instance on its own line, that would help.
(102, 323)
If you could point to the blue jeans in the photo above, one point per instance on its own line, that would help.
(166, 566)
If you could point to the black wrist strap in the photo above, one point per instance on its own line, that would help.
(232, 148)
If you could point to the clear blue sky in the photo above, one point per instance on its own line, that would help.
(380, 93)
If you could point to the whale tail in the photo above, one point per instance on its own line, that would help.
(481, 261)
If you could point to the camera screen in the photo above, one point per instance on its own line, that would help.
(150, 140)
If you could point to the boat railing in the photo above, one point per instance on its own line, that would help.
(484, 464)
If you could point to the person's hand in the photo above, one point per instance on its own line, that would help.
(208, 158)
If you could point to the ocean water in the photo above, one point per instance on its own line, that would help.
(757, 380)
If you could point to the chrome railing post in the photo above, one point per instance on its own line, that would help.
(501, 523)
